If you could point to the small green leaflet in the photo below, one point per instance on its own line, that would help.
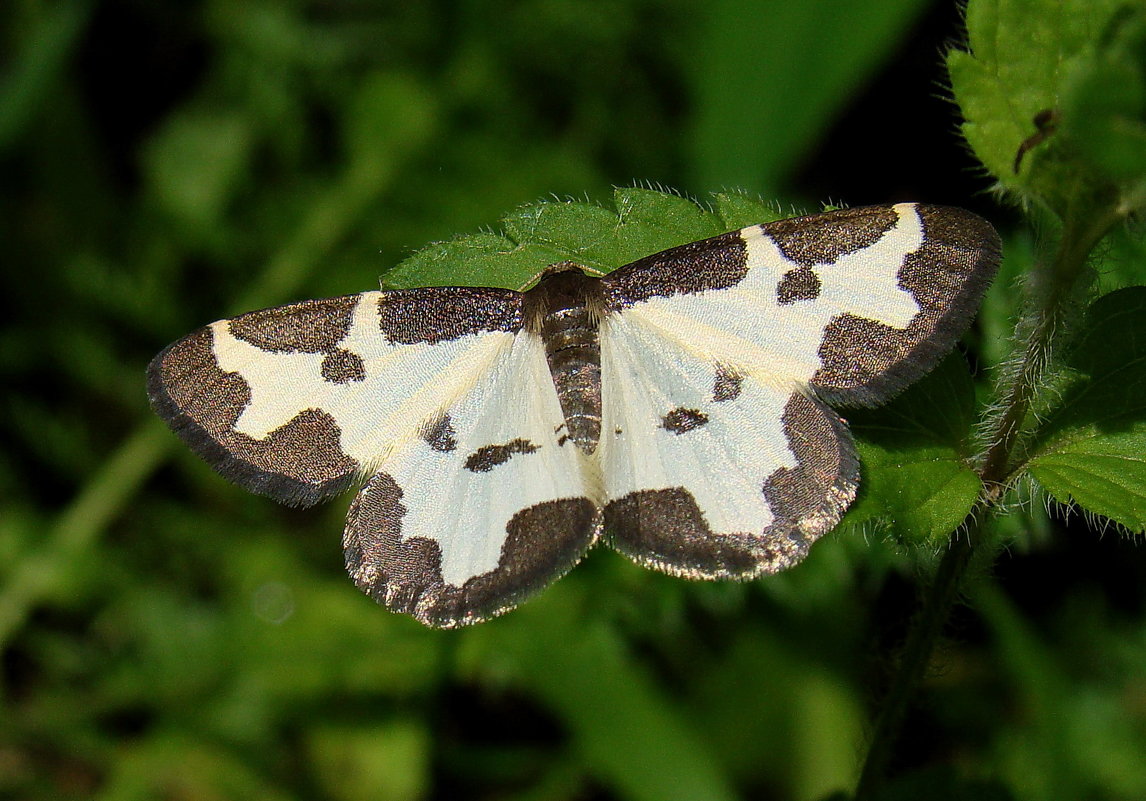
(1092, 451)
(915, 452)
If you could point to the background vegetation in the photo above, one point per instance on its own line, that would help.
(168, 636)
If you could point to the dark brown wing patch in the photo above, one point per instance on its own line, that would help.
(864, 362)
(439, 434)
(798, 284)
(803, 239)
(437, 314)
(809, 499)
(403, 571)
(726, 386)
(715, 263)
(313, 326)
(680, 420)
(342, 366)
(488, 457)
(665, 529)
(299, 463)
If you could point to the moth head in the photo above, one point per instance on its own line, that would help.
(563, 289)
(557, 268)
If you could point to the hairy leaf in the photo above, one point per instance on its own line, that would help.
(1027, 108)
(916, 480)
(641, 222)
(1092, 450)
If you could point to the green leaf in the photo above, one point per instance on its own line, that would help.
(1056, 89)
(581, 231)
(1104, 475)
(1092, 450)
(1121, 262)
(740, 209)
(653, 221)
(642, 222)
(475, 260)
(915, 477)
(1104, 99)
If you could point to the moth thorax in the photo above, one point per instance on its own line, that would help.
(566, 311)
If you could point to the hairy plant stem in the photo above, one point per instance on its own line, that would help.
(1056, 286)
(925, 629)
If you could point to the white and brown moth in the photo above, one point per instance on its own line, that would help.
(676, 407)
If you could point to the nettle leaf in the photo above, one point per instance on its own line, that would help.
(1104, 99)
(741, 209)
(1012, 93)
(1092, 451)
(642, 222)
(473, 260)
(1121, 262)
(916, 482)
(652, 221)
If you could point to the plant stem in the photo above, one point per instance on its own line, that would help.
(925, 629)
(1058, 285)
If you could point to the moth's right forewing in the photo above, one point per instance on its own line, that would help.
(487, 505)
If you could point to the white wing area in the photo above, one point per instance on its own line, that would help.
(708, 471)
(403, 383)
(500, 455)
(722, 462)
(746, 325)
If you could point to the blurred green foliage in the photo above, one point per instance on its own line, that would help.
(167, 636)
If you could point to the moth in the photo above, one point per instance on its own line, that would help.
(677, 407)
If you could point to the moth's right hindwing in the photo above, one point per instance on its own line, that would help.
(296, 401)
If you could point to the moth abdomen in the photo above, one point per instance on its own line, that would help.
(565, 312)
